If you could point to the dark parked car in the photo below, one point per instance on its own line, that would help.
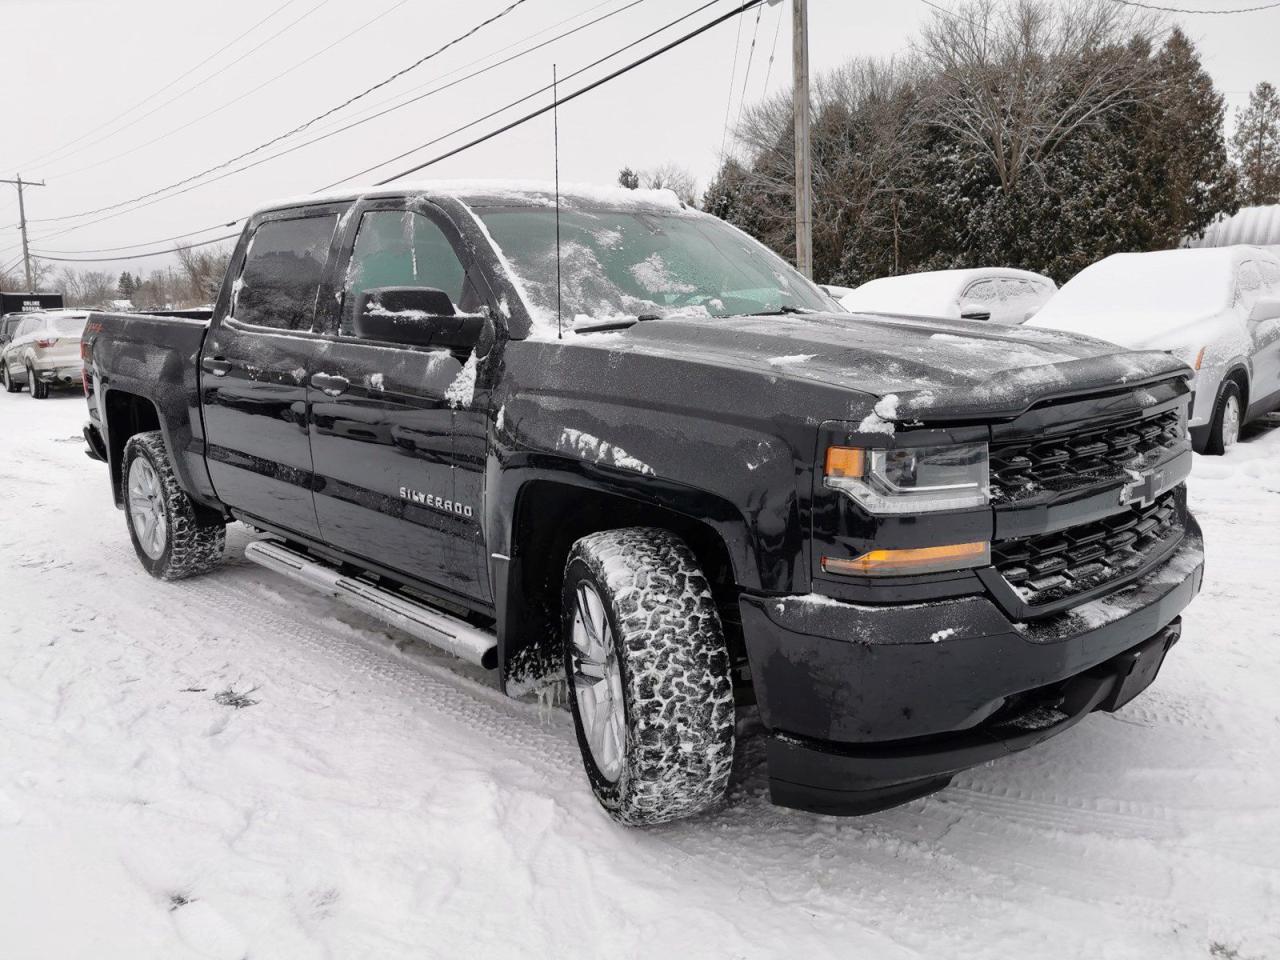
(673, 479)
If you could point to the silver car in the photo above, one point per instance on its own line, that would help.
(44, 351)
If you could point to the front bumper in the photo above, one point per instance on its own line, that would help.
(869, 706)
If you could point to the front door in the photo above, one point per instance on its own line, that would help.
(382, 427)
(254, 370)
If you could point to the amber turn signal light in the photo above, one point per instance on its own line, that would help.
(846, 462)
(1200, 357)
(896, 563)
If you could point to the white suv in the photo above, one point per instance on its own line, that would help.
(44, 351)
(1218, 309)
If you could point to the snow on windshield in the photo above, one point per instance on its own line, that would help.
(68, 326)
(629, 263)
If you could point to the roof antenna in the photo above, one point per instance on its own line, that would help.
(555, 119)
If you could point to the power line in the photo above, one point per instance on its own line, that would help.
(186, 189)
(751, 55)
(577, 93)
(156, 93)
(139, 256)
(182, 93)
(526, 97)
(733, 74)
(777, 29)
(298, 129)
(248, 93)
(509, 126)
(1153, 6)
(147, 243)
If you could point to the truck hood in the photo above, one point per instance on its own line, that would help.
(923, 369)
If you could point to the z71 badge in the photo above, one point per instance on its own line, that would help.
(434, 502)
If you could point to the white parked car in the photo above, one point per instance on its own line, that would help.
(996, 294)
(44, 351)
(1217, 309)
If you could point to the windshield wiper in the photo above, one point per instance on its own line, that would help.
(616, 323)
(785, 308)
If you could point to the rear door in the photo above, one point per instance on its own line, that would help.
(382, 432)
(258, 357)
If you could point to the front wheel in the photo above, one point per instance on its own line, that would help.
(648, 675)
(1228, 414)
(38, 389)
(172, 539)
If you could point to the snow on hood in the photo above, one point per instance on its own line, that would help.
(1138, 299)
(934, 369)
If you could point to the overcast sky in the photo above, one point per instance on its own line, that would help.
(70, 66)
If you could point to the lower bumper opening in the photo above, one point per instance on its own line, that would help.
(854, 779)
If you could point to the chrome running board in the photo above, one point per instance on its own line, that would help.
(417, 619)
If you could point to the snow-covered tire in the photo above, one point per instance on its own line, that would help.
(38, 389)
(1224, 428)
(676, 689)
(191, 544)
(10, 385)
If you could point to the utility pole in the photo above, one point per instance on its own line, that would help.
(800, 101)
(22, 225)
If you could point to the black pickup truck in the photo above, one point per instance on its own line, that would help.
(616, 443)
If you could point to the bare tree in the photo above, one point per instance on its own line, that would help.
(1013, 80)
(202, 270)
(677, 179)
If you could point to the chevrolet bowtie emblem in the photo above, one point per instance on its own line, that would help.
(1142, 488)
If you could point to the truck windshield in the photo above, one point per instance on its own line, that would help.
(629, 264)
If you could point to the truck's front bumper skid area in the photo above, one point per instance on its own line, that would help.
(868, 707)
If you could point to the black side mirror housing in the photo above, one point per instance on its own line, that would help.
(415, 316)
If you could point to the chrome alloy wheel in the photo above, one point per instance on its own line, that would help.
(597, 683)
(1230, 422)
(146, 507)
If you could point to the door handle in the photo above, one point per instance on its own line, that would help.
(216, 365)
(330, 385)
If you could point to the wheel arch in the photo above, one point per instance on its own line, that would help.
(547, 515)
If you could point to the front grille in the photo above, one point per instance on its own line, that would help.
(1052, 566)
(1032, 467)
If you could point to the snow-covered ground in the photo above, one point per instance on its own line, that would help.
(373, 800)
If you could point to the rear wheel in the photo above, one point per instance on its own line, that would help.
(38, 389)
(1228, 414)
(648, 675)
(172, 539)
(10, 385)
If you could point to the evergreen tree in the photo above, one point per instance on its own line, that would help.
(126, 286)
(628, 178)
(1256, 146)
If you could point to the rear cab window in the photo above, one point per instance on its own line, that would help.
(279, 283)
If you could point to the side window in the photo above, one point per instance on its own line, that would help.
(398, 248)
(1248, 285)
(983, 292)
(1271, 277)
(281, 276)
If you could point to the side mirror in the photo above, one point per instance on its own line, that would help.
(1267, 308)
(415, 316)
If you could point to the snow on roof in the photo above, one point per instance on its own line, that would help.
(499, 191)
(928, 293)
(1259, 226)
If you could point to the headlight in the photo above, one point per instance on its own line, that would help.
(911, 479)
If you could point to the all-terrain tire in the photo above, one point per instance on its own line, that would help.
(194, 542)
(1217, 441)
(38, 389)
(10, 385)
(675, 672)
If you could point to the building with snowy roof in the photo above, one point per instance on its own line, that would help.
(1256, 226)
